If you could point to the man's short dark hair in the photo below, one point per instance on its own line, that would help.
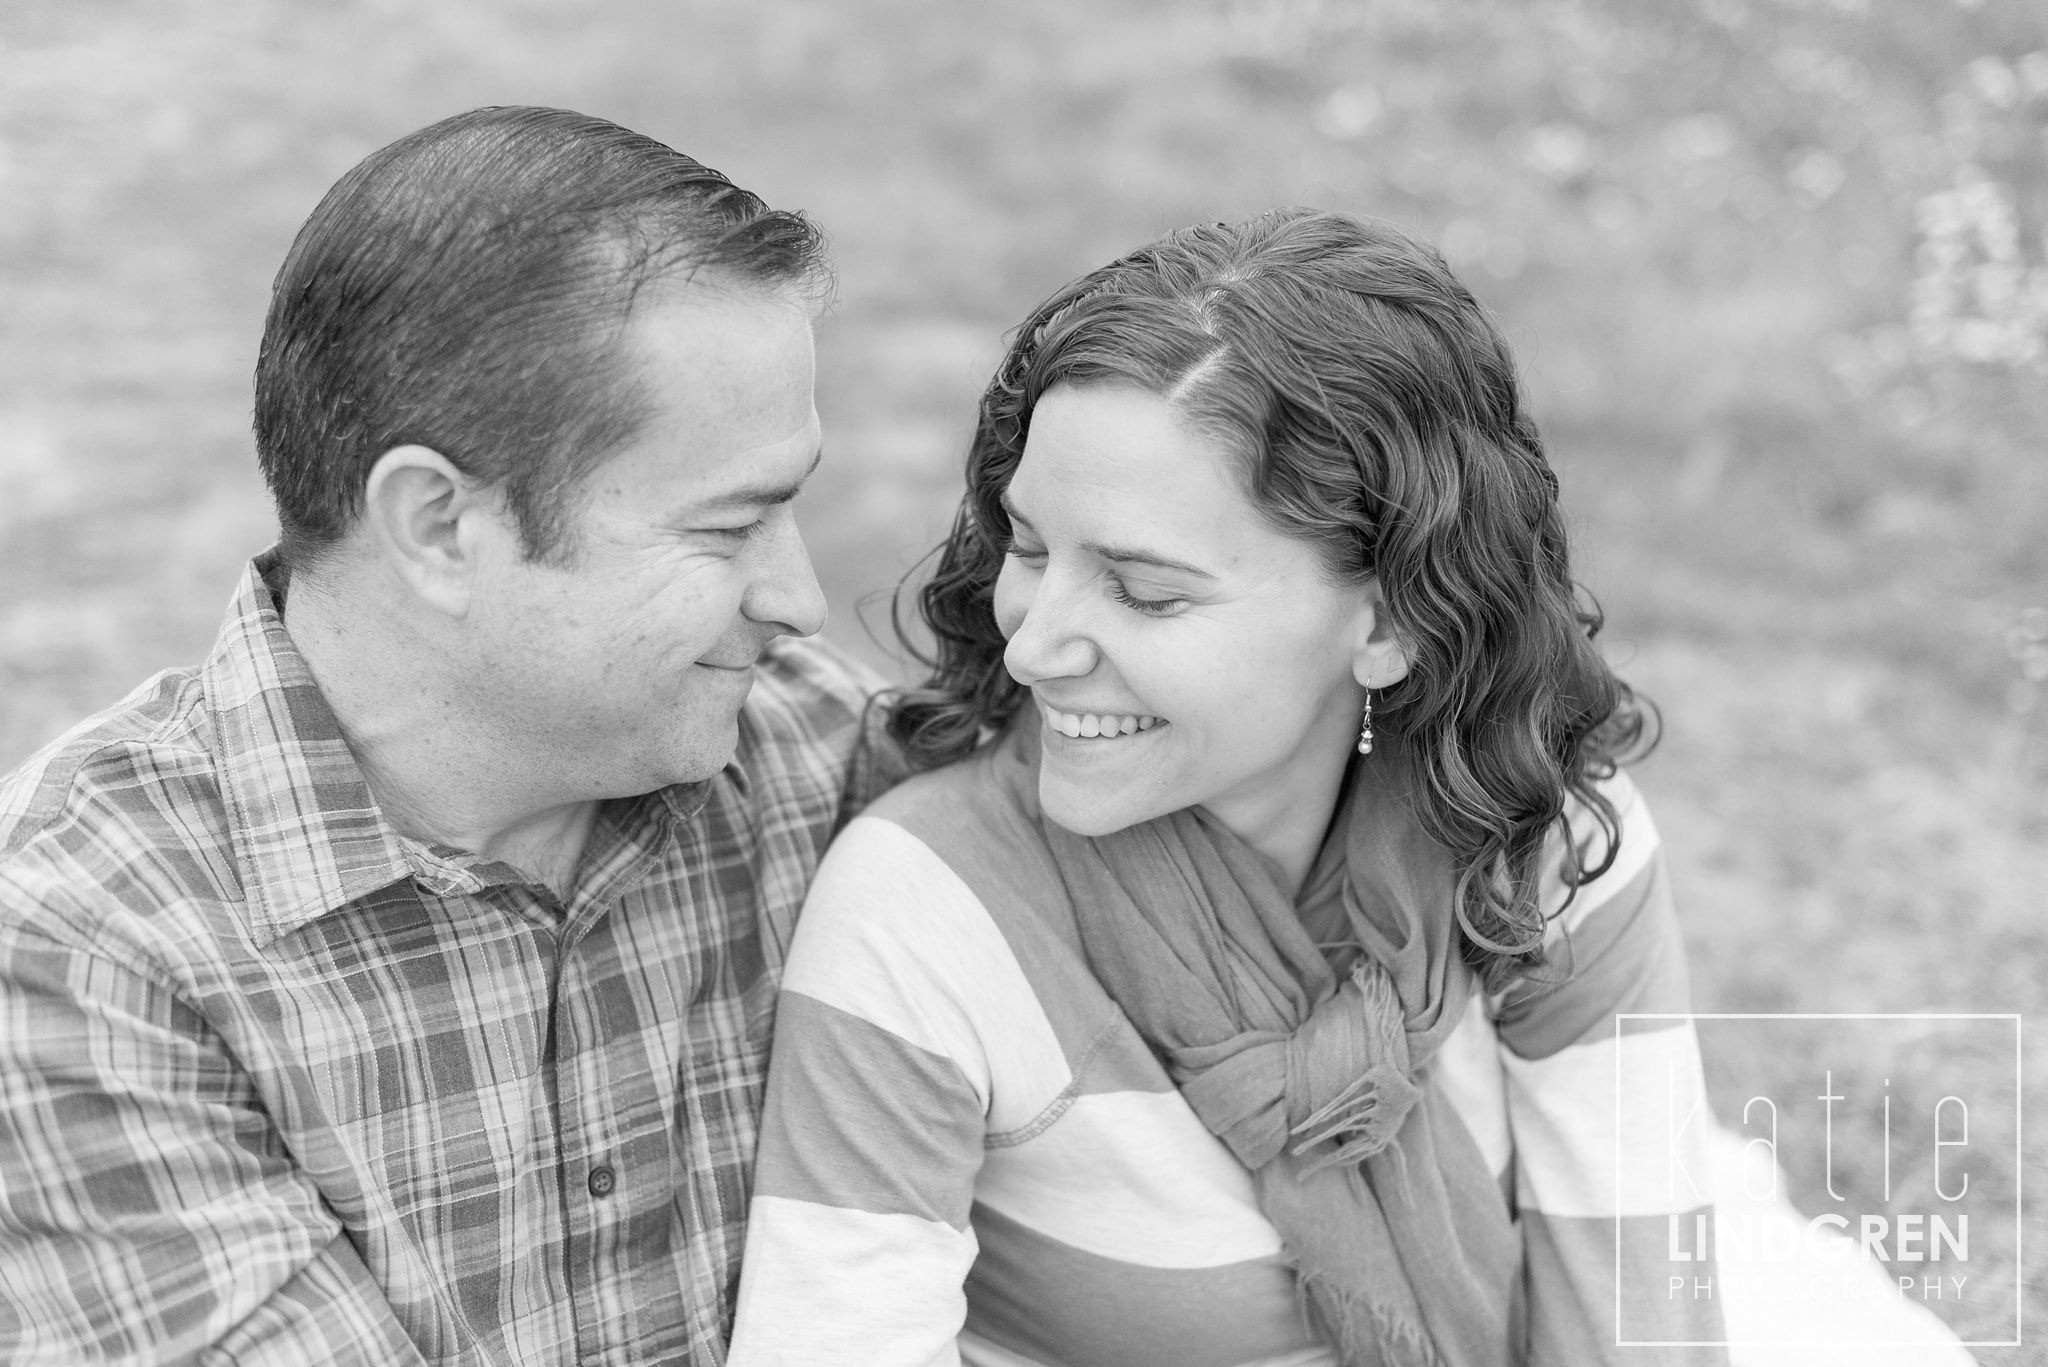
(465, 289)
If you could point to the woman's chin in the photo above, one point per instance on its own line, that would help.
(1076, 808)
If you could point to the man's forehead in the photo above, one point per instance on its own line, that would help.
(710, 302)
(704, 482)
(702, 346)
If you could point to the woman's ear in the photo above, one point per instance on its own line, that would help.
(1378, 655)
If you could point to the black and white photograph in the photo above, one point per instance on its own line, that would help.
(1106, 683)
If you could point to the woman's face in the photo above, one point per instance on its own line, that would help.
(1180, 651)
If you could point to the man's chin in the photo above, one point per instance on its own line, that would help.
(703, 755)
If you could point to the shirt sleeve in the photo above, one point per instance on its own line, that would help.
(148, 1211)
(859, 1241)
(827, 716)
(1598, 1189)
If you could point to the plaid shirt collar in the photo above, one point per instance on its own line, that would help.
(308, 836)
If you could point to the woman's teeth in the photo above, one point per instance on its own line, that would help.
(1084, 725)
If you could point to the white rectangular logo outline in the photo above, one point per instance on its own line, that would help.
(2018, 1179)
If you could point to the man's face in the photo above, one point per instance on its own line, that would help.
(622, 668)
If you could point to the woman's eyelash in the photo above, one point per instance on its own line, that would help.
(1154, 607)
(1151, 607)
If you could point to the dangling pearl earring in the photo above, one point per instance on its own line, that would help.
(1365, 727)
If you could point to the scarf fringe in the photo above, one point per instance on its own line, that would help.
(1346, 1319)
(1364, 1117)
(1367, 1113)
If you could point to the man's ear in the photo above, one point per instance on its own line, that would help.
(426, 520)
(1378, 655)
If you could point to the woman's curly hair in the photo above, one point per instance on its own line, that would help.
(1377, 413)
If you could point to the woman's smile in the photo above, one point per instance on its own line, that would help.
(1096, 725)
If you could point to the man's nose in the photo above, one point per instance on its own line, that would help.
(1052, 641)
(785, 593)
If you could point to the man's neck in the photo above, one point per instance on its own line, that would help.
(436, 775)
(547, 847)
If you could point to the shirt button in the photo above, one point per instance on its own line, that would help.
(602, 1180)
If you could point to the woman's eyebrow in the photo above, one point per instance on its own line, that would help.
(1124, 555)
(1121, 555)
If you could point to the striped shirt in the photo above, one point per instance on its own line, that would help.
(280, 1083)
(970, 1154)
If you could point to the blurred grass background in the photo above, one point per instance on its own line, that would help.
(1776, 270)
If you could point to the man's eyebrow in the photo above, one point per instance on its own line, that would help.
(1122, 555)
(751, 495)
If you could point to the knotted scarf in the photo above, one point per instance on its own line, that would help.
(1313, 1072)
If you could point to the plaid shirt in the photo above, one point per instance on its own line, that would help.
(281, 1085)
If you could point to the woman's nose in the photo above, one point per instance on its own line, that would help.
(1050, 642)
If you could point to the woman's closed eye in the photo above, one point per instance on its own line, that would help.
(1016, 549)
(1034, 556)
(1151, 607)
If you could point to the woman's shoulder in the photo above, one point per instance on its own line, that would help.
(1604, 846)
(986, 973)
(952, 865)
(1613, 941)
(882, 893)
(964, 781)
(950, 842)
(977, 814)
